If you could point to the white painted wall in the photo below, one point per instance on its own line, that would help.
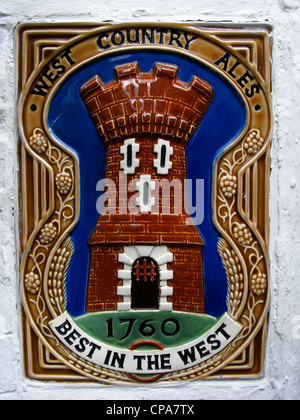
(282, 372)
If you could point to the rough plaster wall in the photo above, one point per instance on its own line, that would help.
(282, 371)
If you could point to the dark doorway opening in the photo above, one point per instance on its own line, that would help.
(145, 284)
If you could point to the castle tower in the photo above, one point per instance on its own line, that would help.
(145, 252)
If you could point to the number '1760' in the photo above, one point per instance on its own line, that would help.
(145, 328)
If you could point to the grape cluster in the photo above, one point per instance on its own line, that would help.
(48, 233)
(253, 142)
(242, 234)
(259, 283)
(38, 142)
(63, 182)
(228, 185)
(32, 282)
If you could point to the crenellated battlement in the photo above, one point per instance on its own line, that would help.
(155, 103)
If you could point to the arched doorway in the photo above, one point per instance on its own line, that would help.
(145, 284)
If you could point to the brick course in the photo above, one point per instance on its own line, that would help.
(188, 287)
(103, 279)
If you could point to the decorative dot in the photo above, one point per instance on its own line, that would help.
(257, 108)
(33, 107)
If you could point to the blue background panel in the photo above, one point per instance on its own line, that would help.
(70, 123)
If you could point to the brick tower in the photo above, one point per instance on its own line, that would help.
(145, 251)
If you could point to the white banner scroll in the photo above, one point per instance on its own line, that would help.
(148, 361)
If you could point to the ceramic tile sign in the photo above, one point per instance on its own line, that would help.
(143, 213)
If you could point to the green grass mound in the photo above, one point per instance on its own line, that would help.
(121, 329)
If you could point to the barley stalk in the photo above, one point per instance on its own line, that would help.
(57, 276)
(235, 277)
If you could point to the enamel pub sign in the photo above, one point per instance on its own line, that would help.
(143, 201)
